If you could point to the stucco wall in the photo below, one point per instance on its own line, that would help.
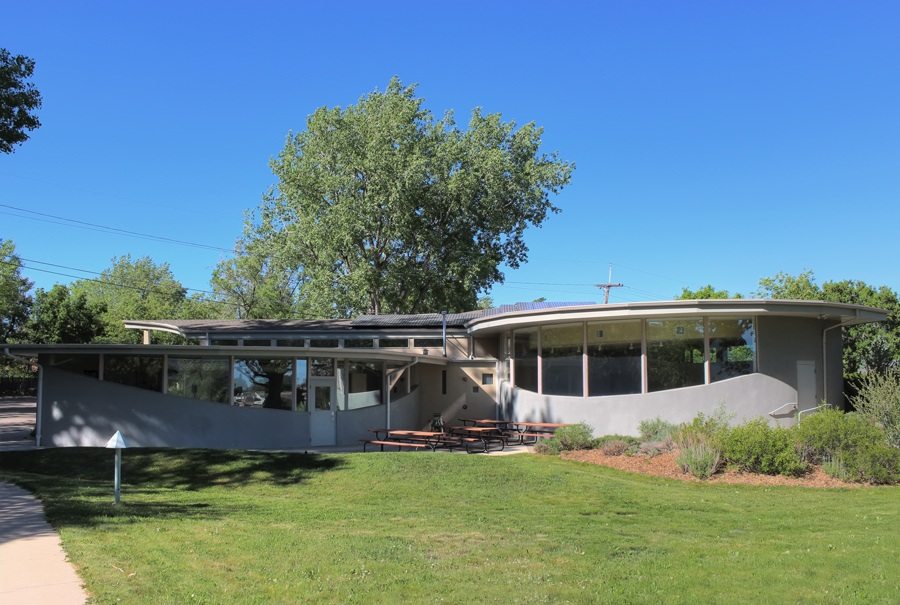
(745, 397)
(466, 397)
(783, 341)
(82, 411)
(353, 425)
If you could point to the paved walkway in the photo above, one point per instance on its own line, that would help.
(16, 423)
(33, 566)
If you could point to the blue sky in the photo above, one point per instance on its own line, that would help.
(714, 142)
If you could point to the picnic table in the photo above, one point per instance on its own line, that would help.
(410, 439)
(519, 430)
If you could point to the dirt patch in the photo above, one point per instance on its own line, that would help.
(664, 465)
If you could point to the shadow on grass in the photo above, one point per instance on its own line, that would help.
(75, 484)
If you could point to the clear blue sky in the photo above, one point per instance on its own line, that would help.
(715, 142)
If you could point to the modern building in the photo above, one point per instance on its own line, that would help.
(303, 384)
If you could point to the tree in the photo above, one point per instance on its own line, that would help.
(18, 99)
(59, 316)
(705, 293)
(14, 299)
(380, 208)
(133, 289)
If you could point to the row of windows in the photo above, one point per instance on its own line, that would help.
(333, 343)
(611, 353)
(281, 384)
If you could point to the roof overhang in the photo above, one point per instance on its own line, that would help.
(220, 351)
(836, 312)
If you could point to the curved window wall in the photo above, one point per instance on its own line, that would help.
(561, 359)
(614, 357)
(621, 357)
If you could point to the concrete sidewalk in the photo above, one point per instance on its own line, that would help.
(33, 566)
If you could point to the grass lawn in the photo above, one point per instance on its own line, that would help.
(199, 526)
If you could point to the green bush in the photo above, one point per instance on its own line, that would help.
(878, 398)
(656, 429)
(877, 463)
(575, 437)
(615, 447)
(655, 448)
(700, 457)
(758, 448)
(850, 446)
(567, 438)
(631, 441)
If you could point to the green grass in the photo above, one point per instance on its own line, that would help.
(201, 526)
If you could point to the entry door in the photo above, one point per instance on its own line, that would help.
(322, 406)
(806, 385)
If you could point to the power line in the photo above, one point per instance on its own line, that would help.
(109, 283)
(71, 222)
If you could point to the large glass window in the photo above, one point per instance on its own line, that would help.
(732, 348)
(561, 356)
(323, 366)
(674, 353)
(525, 354)
(263, 383)
(364, 380)
(196, 378)
(86, 365)
(141, 371)
(614, 357)
(301, 385)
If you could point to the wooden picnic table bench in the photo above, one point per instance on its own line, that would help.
(399, 444)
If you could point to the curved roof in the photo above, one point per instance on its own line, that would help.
(523, 314)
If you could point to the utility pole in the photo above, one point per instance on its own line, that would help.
(608, 286)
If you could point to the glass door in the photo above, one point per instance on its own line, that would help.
(322, 403)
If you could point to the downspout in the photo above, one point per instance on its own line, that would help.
(387, 384)
(843, 324)
(40, 394)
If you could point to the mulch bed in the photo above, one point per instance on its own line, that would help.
(664, 465)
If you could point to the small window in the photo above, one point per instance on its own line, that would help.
(393, 343)
(487, 378)
(443, 382)
(257, 342)
(324, 343)
(322, 367)
(428, 342)
(227, 342)
(359, 343)
(291, 342)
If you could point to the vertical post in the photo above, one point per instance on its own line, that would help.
(707, 364)
(644, 364)
(118, 475)
(444, 330)
(585, 366)
(40, 404)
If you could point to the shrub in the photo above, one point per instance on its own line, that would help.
(575, 437)
(656, 429)
(877, 463)
(655, 448)
(831, 431)
(758, 448)
(700, 457)
(850, 446)
(878, 398)
(628, 439)
(547, 447)
(614, 448)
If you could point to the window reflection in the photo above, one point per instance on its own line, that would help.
(614, 357)
(263, 383)
(561, 348)
(732, 348)
(674, 353)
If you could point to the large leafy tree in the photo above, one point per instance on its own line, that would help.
(381, 208)
(139, 289)
(58, 316)
(18, 100)
(706, 292)
(14, 299)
